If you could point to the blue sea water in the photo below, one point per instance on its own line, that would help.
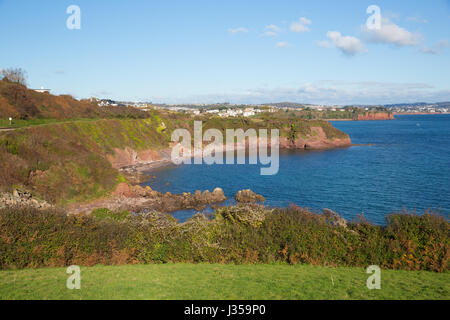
(403, 164)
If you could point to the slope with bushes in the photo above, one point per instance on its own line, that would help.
(243, 234)
(68, 161)
(19, 102)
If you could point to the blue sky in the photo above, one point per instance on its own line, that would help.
(242, 51)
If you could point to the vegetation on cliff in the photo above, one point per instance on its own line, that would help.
(243, 234)
(68, 161)
(348, 113)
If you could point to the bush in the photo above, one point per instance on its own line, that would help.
(33, 238)
(104, 213)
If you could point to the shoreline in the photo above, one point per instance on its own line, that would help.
(148, 167)
(358, 120)
(132, 195)
(418, 113)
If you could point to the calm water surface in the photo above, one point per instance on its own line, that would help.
(406, 166)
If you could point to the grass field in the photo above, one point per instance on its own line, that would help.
(187, 281)
(18, 123)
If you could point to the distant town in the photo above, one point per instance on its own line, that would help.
(247, 110)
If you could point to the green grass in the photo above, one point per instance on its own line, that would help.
(18, 123)
(188, 281)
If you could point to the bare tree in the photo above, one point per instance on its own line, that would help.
(17, 75)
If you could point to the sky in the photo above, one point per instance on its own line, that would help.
(243, 51)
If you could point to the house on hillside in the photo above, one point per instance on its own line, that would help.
(42, 90)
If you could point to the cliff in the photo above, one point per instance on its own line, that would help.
(316, 141)
(374, 116)
(301, 135)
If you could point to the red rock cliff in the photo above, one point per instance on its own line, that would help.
(316, 141)
(375, 116)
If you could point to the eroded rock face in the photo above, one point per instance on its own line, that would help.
(248, 196)
(318, 141)
(375, 116)
(129, 157)
(23, 199)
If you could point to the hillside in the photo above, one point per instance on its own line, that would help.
(68, 161)
(19, 102)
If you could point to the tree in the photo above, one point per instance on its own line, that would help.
(292, 136)
(16, 75)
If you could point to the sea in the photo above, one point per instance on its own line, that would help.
(394, 166)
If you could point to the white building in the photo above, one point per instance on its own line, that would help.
(42, 90)
(248, 112)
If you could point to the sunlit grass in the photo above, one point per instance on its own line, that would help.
(204, 281)
(19, 123)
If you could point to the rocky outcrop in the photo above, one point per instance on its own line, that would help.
(334, 219)
(137, 199)
(374, 116)
(317, 141)
(21, 199)
(248, 196)
(317, 144)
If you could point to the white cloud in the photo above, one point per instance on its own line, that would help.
(238, 30)
(324, 44)
(305, 21)
(300, 25)
(270, 34)
(390, 33)
(282, 44)
(347, 44)
(272, 30)
(436, 48)
(417, 19)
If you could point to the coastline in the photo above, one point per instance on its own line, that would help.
(418, 113)
(147, 168)
(149, 160)
(137, 167)
(358, 120)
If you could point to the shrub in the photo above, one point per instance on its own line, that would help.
(33, 238)
(104, 213)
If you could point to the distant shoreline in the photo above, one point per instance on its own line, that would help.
(356, 120)
(395, 114)
(418, 113)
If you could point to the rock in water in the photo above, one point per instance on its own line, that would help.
(218, 195)
(248, 196)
